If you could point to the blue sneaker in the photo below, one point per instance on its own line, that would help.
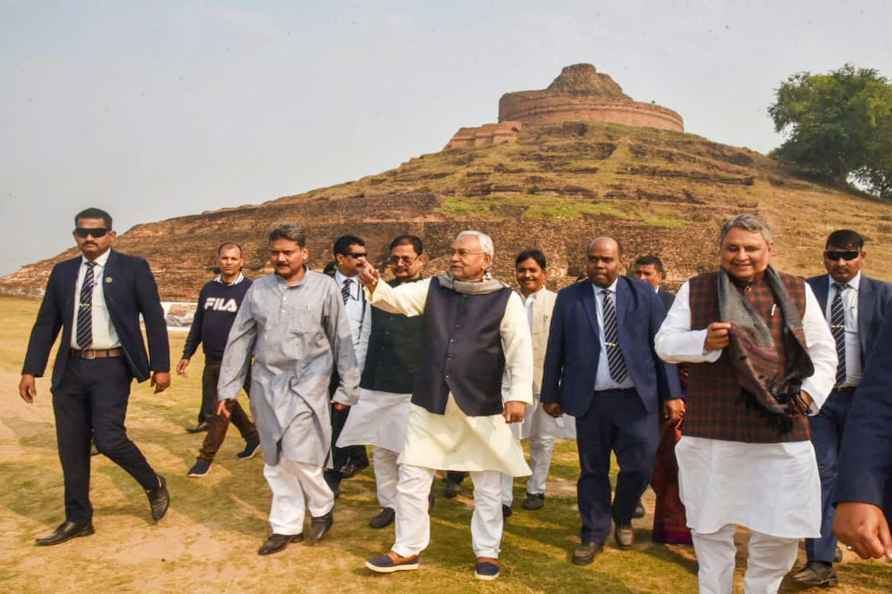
(200, 468)
(486, 568)
(390, 562)
(249, 451)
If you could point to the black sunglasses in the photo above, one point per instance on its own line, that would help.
(83, 232)
(357, 255)
(845, 255)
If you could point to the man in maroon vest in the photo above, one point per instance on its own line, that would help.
(761, 360)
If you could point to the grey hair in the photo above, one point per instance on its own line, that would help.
(747, 222)
(483, 239)
(291, 232)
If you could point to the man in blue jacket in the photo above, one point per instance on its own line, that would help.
(855, 307)
(96, 300)
(601, 368)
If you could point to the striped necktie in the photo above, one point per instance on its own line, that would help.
(615, 360)
(346, 290)
(85, 309)
(838, 329)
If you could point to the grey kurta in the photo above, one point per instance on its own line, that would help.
(296, 335)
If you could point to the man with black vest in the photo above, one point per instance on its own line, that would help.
(760, 359)
(96, 300)
(601, 368)
(855, 306)
(394, 356)
(218, 303)
(476, 377)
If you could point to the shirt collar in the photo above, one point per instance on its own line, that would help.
(100, 261)
(855, 283)
(340, 278)
(611, 287)
(532, 296)
(238, 279)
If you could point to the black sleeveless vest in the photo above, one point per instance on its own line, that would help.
(463, 352)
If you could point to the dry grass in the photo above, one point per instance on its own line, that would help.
(208, 540)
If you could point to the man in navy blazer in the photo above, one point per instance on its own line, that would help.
(601, 367)
(96, 300)
(863, 491)
(855, 306)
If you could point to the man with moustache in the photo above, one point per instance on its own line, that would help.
(601, 368)
(760, 359)
(394, 354)
(475, 379)
(218, 303)
(96, 300)
(293, 324)
(540, 428)
(855, 305)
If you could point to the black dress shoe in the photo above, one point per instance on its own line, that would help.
(624, 534)
(585, 552)
(277, 542)
(350, 469)
(333, 480)
(319, 527)
(383, 519)
(534, 501)
(450, 489)
(816, 573)
(639, 511)
(159, 499)
(506, 511)
(65, 531)
(202, 426)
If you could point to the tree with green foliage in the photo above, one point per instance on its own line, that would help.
(838, 127)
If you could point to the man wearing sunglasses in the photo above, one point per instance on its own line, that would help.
(96, 301)
(350, 256)
(855, 307)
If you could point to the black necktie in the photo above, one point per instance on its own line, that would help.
(85, 309)
(838, 329)
(615, 360)
(346, 291)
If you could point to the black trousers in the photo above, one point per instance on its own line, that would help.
(340, 457)
(209, 378)
(91, 402)
(616, 421)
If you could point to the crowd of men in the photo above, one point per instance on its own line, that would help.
(750, 398)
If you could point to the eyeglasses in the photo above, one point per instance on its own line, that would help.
(83, 232)
(841, 254)
(357, 255)
(405, 259)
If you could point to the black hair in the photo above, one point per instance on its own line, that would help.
(534, 254)
(845, 238)
(290, 232)
(412, 240)
(229, 244)
(94, 213)
(343, 243)
(650, 260)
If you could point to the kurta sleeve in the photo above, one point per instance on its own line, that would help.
(517, 344)
(822, 350)
(407, 299)
(340, 337)
(239, 349)
(676, 342)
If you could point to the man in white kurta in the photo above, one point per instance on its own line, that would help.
(540, 428)
(476, 378)
(736, 475)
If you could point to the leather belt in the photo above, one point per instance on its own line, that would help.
(96, 353)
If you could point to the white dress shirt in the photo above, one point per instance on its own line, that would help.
(360, 313)
(104, 335)
(854, 373)
(603, 380)
(772, 488)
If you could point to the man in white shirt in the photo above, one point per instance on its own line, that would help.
(855, 306)
(350, 256)
(745, 457)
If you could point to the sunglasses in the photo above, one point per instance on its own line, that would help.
(847, 255)
(357, 255)
(83, 232)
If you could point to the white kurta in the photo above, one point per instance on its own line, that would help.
(455, 441)
(772, 488)
(379, 419)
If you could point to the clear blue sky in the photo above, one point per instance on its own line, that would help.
(158, 109)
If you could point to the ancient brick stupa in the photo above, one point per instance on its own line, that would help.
(579, 93)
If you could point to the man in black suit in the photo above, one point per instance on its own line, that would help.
(650, 269)
(96, 301)
(601, 368)
(855, 306)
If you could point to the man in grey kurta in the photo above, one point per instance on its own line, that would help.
(294, 325)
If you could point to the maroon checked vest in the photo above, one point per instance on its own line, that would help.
(717, 408)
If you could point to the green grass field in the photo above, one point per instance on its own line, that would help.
(208, 541)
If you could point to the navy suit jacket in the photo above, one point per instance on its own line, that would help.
(131, 292)
(574, 347)
(667, 298)
(865, 463)
(874, 298)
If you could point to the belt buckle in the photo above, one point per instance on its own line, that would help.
(88, 354)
